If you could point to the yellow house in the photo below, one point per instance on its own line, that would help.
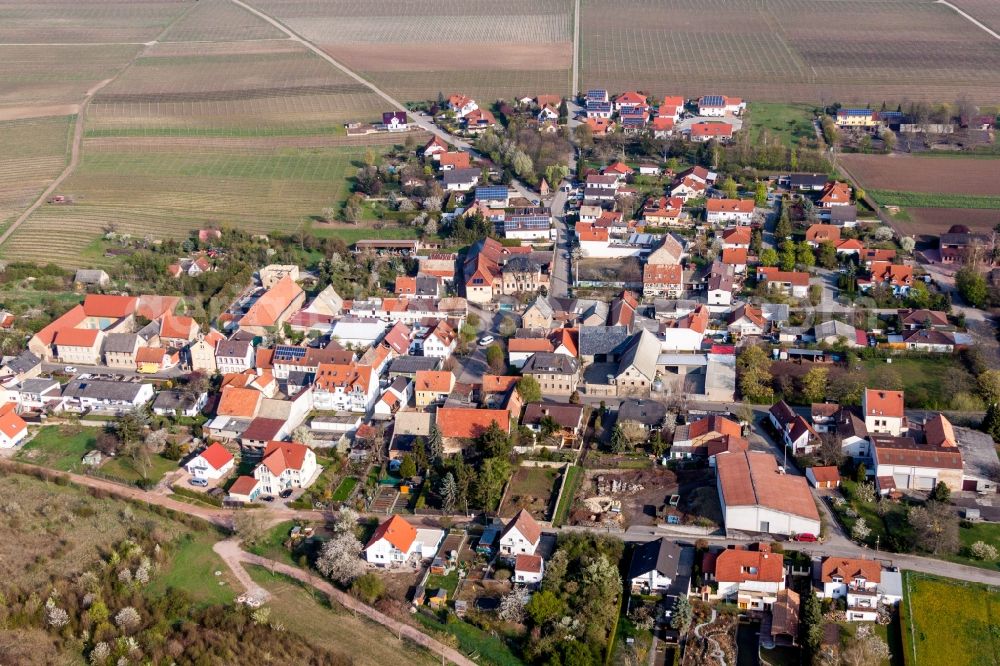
(432, 386)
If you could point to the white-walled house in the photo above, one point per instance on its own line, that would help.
(13, 429)
(884, 411)
(655, 565)
(212, 463)
(345, 387)
(858, 582)
(286, 465)
(751, 578)
(392, 543)
(520, 536)
(529, 569)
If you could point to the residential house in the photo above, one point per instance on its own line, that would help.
(395, 121)
(528, 569)
(150, 360)
(556, 374)
(104, 395)
(719, 285)
(460, 425)
(729, 211)
(568, 418)
(855, 580)
(245, 489)
(662, 280)
(462, 105)
(835, 193)
(650, 414)
(707, 131)
(694, 439)
(83, 327)
(538, 314)
(40, 393)
(479, 121)
(897, 277)
(272, 274)
(456, 159)
(843, 216)
(25, 365)
(636, 370)
(120, 350)
(285, 465)
(785, 618)
(13, 429)
(735, 259)
(434, 148)
(173, 402)
(849, 247)
(79, 345)
(805, 182)
(960, 244)
(212, 463)
(852, 117)
(751, 578)
(796, 432)
(519, 350)
(441, 341)
(345, 387)
(818, 234)
(736, 238)
(757, 496)
(669, 253)
(720, 105)
(914, 320)
(432, 387)
(234, 355)
(792, 283)
(660, 565)
(747, 320)
(685, 334)
(835, 332)
(663, 212)
(521, 535)
(201, 352)
(929, 341)
(460, 180)
(396, 396)
(884, 412)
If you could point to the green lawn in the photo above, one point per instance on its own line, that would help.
(921, 377)
(191, 567)
(449, 582)
(488, 648)
(790, 122)
(570, 485)
(949, 623)
(933, 200)
(272, 546)
(123, 467)
(345, 488)
(988, 532)
(362, 232)
(59, 447)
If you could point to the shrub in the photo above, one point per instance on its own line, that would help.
(983, 551)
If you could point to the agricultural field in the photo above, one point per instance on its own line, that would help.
(986, 12)
(967, 638)
(488, 50)
(934, 221)
(87, 21)
(220, 21)
(34, 153)
(788, 50)
(909, 173)
(789, 122)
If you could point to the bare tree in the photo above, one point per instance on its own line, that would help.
(248, 527)
(935, 528)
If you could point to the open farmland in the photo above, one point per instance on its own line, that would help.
(34, 152)
(161, 192)
(986, 12)
(908, 173)
(87, 21)
(219, 21)
(789, 50)
(968, 636)
(489, 50)
(935, 221)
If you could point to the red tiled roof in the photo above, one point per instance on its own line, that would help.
(729, 205)
(529, 345)
(836, 192)
(771, 274)
(711, 129)
(457, 159)
(279, 456)
(528, 563)
(734, 565)
(711, 424)
(11, 424)
(241, 402)
(469, 422)
(939, 432)
(436, 381)
(499, 383)
(849, 568)
(524, 523)
(107, 305)
(586, 231)
(76, 337)
(735, 256)
(216, 455)
(396, 531)
(269, 307)
(826, 474)
(819, 233)
(659, 274)
(737, 236)
(183, 328)
(753, 478)
(243, 485)
(883, 403)
(150, 355)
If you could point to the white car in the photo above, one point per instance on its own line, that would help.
(486, 340)
(70, 370)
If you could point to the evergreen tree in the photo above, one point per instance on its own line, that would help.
(619, 442)
(449, 492)
(435, 445)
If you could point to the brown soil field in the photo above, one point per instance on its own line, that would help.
(20, 112)
(986, 12)
(86, 21)
(936, 221)
(788, 50)
(140, 143)
(404, 57)
(908, 173)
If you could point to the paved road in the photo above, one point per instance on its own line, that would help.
(234, 556)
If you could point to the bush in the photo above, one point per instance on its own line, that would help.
(983, 551)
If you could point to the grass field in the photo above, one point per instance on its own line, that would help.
(272, 546)
(488, 648)
(788, 50)
(310, 614)
(58, 448)
(192, 568)
(949, 623)
(51, 527)
(344, 488)
(986, 532)
(122, 467)
(572, 483)
(933, 200)
(790, 122)
(920, 376)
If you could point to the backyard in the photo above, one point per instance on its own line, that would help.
(571, 484)
(789, 122)
(920, 378)
(532, 488)
(58, 447)
(949, 623)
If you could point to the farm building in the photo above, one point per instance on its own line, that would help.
(758, 497)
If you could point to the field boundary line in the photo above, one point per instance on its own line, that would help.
(576, 49)
(970, 18)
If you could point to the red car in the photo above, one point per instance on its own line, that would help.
(806, 536)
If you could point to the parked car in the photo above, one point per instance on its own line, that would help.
(486, 340)
(285, 494)
(268, 498)
(805, 536)
(201, 483)
(69, 369)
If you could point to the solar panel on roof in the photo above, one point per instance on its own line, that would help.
(712, 100)
(283, 352)
(856, 112)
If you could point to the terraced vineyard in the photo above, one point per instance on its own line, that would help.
(789, 50)
(490, 50)
(34, 152)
